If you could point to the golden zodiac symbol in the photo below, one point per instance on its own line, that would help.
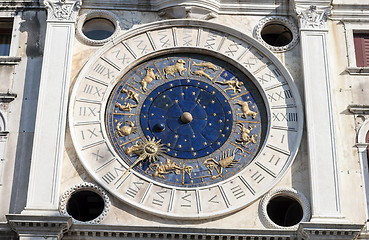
(130, 95)
(167, 168)
(226, 160)
(126, 107)
(149, 77)
(208, 65)
(201, 73)
(127, 129)
(134, 149)
(245, 137)
(233, 84)
(177, 67)
(246, 110)
(147, 149)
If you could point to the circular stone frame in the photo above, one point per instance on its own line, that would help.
(283, 192)
(277, 20)
(83, 187)
(202, 31)
(96, 14)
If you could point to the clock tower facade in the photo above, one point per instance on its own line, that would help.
(190, 119)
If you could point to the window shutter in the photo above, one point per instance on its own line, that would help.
(361, 42)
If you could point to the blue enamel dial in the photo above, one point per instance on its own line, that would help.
(185, 121)
(208, 129)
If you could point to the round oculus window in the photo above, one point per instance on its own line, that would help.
(98, 28)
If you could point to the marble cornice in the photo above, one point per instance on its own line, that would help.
(262, 7)
(350, 12)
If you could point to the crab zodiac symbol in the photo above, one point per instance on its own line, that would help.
(127, 129)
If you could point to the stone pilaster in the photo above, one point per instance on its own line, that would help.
(47, 153)
(325, 194)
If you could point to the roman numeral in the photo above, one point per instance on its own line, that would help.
(108, 177)
(187, 39)
(90, 133)
(276, 96)
(141, 46)
(123, 59)
(275, 160)
(159, 200)
(211, 40)
(164, 40)
(87, 111)
(237, 192)
(89, 89)
(133, 190)
(232, 48)
(104, 71)
(257, 177)
(289, 117)
(214, 199)
(187, 202)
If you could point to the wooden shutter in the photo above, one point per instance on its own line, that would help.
(361, 42)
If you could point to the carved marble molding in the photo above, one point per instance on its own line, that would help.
(361, 114)
(283, 192)
(189, 12)
(39, 226)
(313, 18)
(62, 10)
(277, 20)
(335, 231)
(87, 187)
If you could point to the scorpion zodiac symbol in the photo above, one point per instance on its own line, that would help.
(226, 160)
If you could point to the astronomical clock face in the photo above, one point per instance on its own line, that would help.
(184, 125)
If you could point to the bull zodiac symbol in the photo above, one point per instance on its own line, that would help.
(226, 160)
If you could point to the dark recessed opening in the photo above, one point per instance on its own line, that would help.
(6, 26)
(285, 211)
(85, 205)
(276, 35)
(98, 28)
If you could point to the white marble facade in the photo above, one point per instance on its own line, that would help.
(320, 159)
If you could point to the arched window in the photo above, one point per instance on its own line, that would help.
(363, 150)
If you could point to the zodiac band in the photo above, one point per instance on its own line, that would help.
(149, 155)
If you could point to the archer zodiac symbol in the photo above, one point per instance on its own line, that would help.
(233, 84)
(177, 67)
(126, 130)
(245, 137)
(149, 77)
(226, 160)
(246, 110)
